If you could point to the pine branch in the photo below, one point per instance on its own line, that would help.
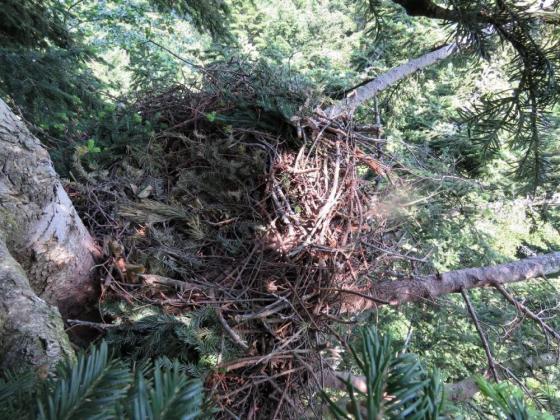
(89, 388)
(391, 385)
(173, 396)
(430, 287)
(368, 91)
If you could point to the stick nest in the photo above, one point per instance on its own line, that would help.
(266, 226)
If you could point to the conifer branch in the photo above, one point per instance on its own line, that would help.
(368, 91)
(430, 287)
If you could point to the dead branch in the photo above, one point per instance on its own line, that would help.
(389, 78)
(474, 317)
(96, 325)
(430, 287)
(467, 388)
(547, 329)
(155, 280)
(461, 391)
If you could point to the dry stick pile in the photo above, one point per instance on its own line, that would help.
(269, 234)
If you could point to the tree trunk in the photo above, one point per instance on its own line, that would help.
(430, 287)
(46, 253)
(31, 331)
(371, 89)
(38, 223)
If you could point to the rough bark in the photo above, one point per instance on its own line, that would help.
(429, 287)
(429, 9)
(38, 223)
(371, 89)
(31, 331)
(46, 253)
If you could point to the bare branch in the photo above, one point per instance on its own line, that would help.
(467, 388)
(429, 9)
(547, 329)
(96, 325)
(429, 287)
(463, 390)
(472, 313)
(371, 89)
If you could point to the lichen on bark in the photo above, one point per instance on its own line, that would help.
(31, 331)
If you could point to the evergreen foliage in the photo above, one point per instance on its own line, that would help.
(89, 388)
(516, 116)
(210, 15)
(98, 386)
(44, 69)
(193, 339)
(397, 385)
(33, 24)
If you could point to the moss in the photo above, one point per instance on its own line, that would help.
(9, 224)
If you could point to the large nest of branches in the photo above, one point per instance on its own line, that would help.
(231, 205)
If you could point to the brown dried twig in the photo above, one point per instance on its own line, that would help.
(485, 344)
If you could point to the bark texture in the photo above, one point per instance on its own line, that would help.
(429, 9)
(371, 89)
(31, 331)
(430, 287)
(46, 253)
(38, 223)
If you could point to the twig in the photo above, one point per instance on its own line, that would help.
(154, 280)
(96, 325)
(354, 292)
(264, 312)
(547, 329)
(234, 336)
(472, 313)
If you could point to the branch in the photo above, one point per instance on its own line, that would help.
(547, 329)
(460, 391)
(96, 325)
(481, 334)
(429, 287)
(427, 8)
(155, 280)
(466, 389)
(369, 90)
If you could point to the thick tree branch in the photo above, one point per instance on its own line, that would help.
(429, 9)
(42, 230)
(429, 287)
(371, 89)
(31, 331)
